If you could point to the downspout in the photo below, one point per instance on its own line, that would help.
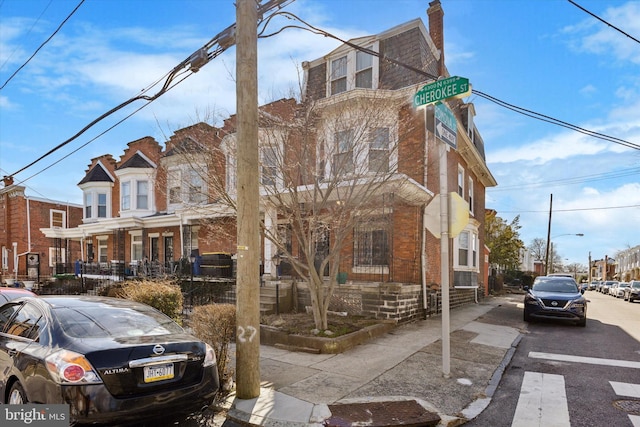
(423, 259)
(181, 236)
(28, 226)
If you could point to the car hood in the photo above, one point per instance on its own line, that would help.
(564, 296)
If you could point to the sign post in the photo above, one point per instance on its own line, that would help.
(445, 129)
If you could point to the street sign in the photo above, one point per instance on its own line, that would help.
(452, 87)
(446, 125)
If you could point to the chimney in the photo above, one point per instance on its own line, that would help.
(436, 30)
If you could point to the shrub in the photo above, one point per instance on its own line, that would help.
(215, 324)
(164, 296)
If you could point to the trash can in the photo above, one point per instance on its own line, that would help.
(342, 278)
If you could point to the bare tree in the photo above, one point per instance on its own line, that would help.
(538, 249)
(326, 168)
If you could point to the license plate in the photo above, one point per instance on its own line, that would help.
(158, 372)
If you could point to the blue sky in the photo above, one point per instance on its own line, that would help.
(547, 56)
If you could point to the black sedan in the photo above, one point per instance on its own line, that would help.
(8, 293)
(555, 298)
(113, 361)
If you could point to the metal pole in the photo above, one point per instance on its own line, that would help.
(444, 260)
(546, 258)
(248, 234)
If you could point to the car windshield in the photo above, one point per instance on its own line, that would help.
(555, 285)
(116, 322)
(635, 285)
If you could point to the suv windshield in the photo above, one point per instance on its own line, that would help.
(555, 284)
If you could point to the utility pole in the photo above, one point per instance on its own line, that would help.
(248, 234)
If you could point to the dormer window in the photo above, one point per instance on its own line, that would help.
(364, 70)
(355, 69)
(338, 75)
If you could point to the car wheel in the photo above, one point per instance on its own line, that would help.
(17, 396)
(582, 322)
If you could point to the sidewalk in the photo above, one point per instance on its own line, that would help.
(395, 379)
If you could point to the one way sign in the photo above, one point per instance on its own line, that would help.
(445, 125)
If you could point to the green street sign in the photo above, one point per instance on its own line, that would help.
(452, 87)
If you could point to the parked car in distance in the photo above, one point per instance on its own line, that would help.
(606, 285)
(113, 361)
(555, 297)
(8, 294)
(632, 292)
(593, 286)
(613, 289)
(618, 291)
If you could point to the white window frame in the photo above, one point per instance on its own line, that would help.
(136, 245)
(350, 56)
(92, 204)
(471, 261)
(174, 186)
(107, 205)
(470, 187)
(376, 147)
(143, 190)
(5, 258)
(52, 256)
(103, 249)
(88, 205)
(268, 165)
(125, 196)
(63, 221)
(460, 188)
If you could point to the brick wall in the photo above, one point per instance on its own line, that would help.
(400, 303)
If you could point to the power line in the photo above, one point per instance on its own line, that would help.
(568, 181)
(42, 45)
(603, 21)
(575, 210)
(520, 110)
(219, 43)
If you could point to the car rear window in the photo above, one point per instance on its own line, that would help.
(115, 322)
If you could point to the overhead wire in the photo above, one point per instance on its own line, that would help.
(567, 181)
(603, 21)
(33, 25)
(512, 107)
(220, 43)
(42, 45)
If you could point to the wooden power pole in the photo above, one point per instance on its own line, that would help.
(248, 272)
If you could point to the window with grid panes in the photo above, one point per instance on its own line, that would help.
(379, 150)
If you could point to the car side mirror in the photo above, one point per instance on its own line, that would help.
(525, 288)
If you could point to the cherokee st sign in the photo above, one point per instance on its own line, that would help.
(452, 87)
